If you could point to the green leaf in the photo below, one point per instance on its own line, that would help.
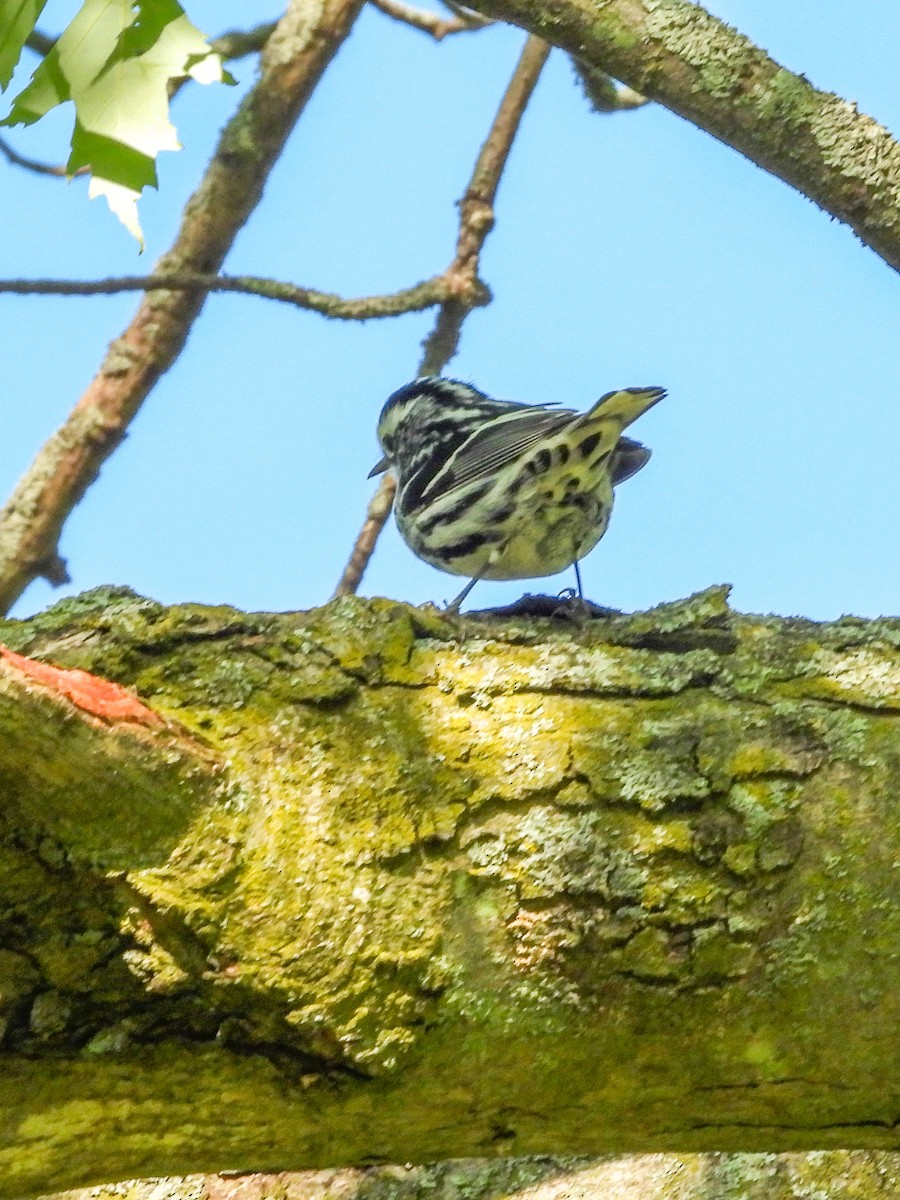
(115, 62)
(111, 159)
(144, 32)
(17, 19)
(48, 88)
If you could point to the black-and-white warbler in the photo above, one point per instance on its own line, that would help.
(498, 490)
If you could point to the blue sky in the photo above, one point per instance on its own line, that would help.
(629, 250)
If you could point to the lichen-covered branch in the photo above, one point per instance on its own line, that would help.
(676, 53)
(294, 59)
(465, 291)
(400, 887)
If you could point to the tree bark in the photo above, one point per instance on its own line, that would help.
(372, 884)
(818, 1175)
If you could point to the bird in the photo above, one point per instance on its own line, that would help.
(496, 489)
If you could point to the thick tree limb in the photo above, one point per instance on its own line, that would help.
(674, 52)
(295, 56)
(389, 886)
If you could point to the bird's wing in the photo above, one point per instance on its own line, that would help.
(627, 459)
(496, 444)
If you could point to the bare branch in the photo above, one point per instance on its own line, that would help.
(477, 211)
(464, 20)
(294, 59)
(419, 18)
(476, 219)
(472, 18)
(365, 308)
(238, 43)
(364, 547)
(32, 164)
(40, 43)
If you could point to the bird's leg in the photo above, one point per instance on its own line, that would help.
(578, 608)
(453, 606)
(578, 580)
(495, 554)
(574, 597)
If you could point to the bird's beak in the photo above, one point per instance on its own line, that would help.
(380, 467)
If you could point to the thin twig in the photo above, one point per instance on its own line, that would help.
(293, 62)
(475, 20)
(418, 18)
(476, 219)
(429, 22)
(476, 210)
(603, 93)
(423, 295)
(364, 547)
(31, 164)
(238, 43)
(40, 43)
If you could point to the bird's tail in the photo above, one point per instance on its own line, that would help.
(626, 405)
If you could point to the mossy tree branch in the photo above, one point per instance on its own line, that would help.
(382, 885)
(676, 53)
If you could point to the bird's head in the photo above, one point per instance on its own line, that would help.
(424, 410)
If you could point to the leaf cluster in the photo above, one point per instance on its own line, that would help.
(109, 52)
